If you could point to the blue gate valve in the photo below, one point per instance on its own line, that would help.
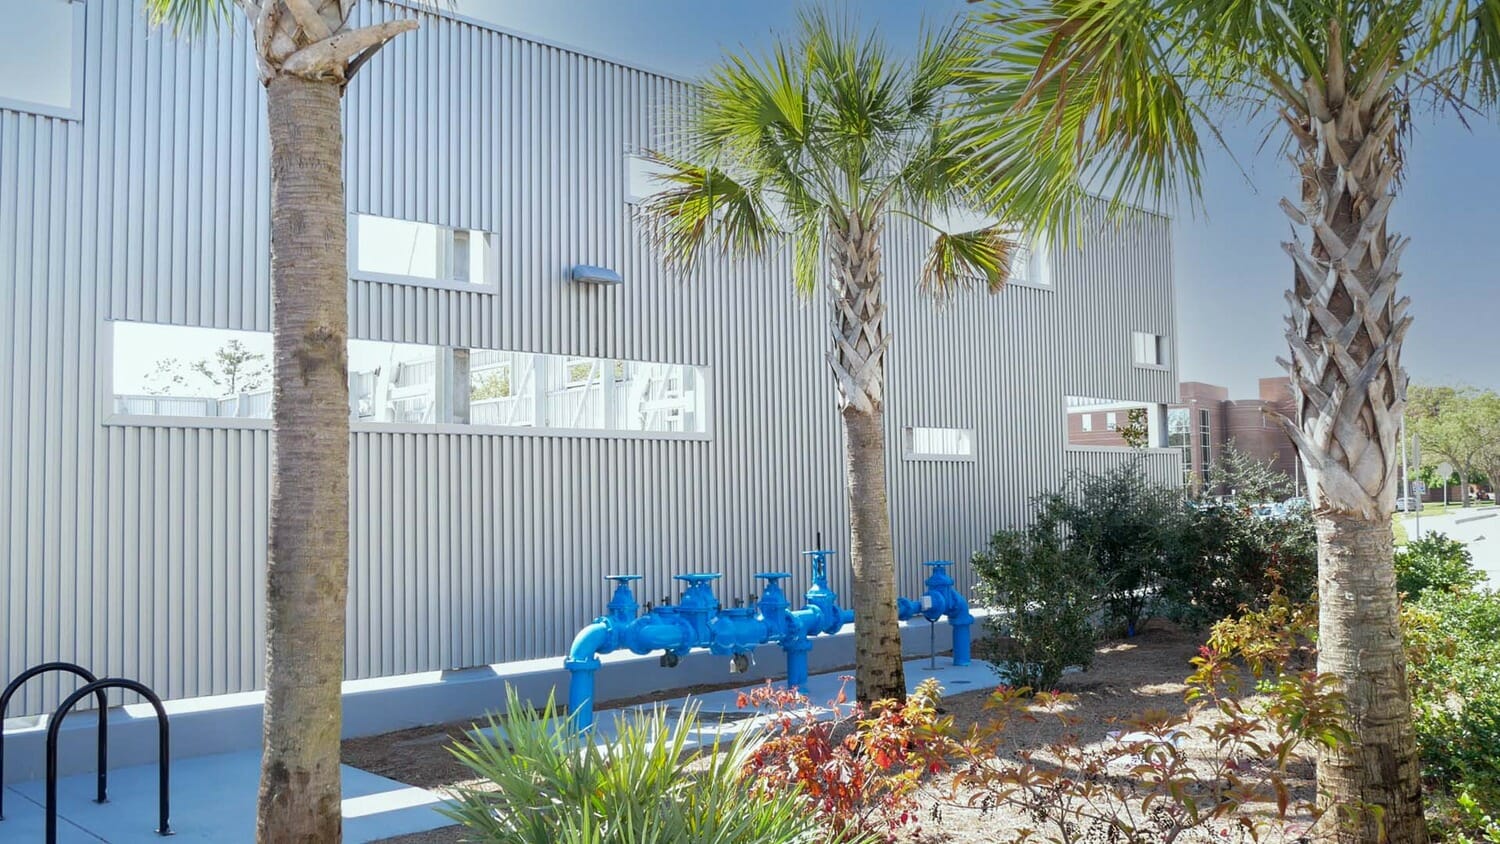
(821, 596)
(773, 603)
(622, 606)
(698, 602)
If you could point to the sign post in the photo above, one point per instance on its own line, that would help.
(1445, 471)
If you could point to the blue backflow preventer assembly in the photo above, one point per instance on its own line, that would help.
(699, 622)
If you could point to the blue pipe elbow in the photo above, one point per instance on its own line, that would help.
(582, 662)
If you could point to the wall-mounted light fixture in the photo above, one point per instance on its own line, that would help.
(588, 274)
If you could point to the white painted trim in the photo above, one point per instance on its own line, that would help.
(519, 431)
(74, 111)
(1120, 449)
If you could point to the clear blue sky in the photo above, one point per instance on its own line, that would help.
(1231, 272)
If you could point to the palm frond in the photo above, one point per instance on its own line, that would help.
(967, 259)
(702, 208)
(1074, 96)
(188, 17)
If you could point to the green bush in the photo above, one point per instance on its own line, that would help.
(1453, 656)
(1045, 591)
(1222, 559)
(1435, 562)
(546, 785)
(1156, 552)
(1124, 524)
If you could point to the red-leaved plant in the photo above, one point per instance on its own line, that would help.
(1139, 785)
(859, 770)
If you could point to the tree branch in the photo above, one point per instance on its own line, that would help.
(330, 57)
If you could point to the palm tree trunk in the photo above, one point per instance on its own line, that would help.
(307, 573)
(858, 364)
(878, 670)
(1359, 640)
(1345, 333)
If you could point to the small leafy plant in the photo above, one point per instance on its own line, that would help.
(858, 771)
(1141, 786)
(541, 783)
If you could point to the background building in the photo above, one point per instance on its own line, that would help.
(515, 434)
(1201, 424)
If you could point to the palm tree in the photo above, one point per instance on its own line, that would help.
(819, 144)
(306, 51)
(1116, 95)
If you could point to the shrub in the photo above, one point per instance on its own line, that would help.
(1124, 524)
(1225, 559)
(1044, 592)
(1435, 562)
(858, 772)
(1453, 667)
(547, 785)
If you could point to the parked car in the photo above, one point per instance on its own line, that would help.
(1407, 504)
(1270, 510)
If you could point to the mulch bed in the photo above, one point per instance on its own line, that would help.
(1128, 677)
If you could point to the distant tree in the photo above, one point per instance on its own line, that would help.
(1247, 478)
(232, 369)
(1135, 432)
(1460, 425)
(494, 385)
(166, 376)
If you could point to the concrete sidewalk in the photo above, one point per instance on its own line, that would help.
(213, 800)
(213, 797)
(1479, 529)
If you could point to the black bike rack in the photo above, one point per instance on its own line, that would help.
(88, 676)
(94, 687)
(162, 760)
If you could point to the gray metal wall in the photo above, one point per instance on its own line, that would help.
(139, 550)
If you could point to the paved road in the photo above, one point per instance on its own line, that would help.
(1480, 529)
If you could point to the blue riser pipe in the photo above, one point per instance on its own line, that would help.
(699, 622)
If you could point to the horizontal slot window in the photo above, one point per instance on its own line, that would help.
(173, 370)
(920, 443)
(1107, 423)
(197, 373)
(406, 252)
(41, 57)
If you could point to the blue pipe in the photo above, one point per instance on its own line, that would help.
(581, 663)
(699, 621)
(941, 599)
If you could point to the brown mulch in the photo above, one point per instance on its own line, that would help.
(1128, 677)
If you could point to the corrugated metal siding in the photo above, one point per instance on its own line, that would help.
(140, 551)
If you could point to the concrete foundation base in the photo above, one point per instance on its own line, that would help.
(232, 723)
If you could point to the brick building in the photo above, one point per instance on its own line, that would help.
(1202, 424)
